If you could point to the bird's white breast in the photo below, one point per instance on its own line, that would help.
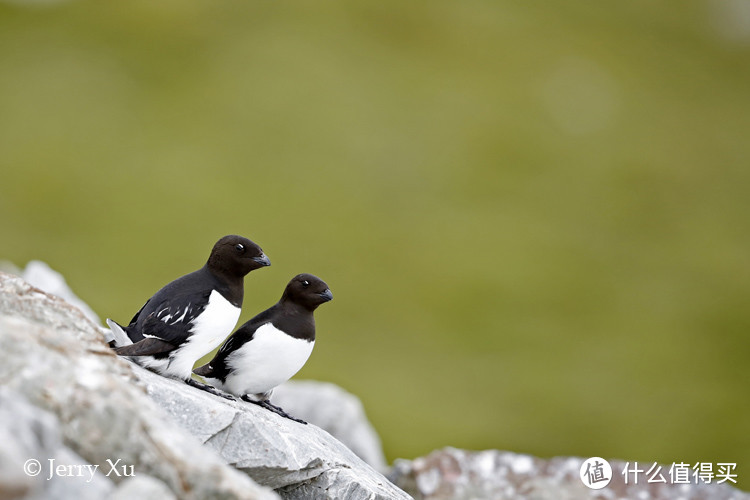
(271, 358)
(208, 331)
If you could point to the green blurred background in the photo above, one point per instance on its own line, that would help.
(533, 216)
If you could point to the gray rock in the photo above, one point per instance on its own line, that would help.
(458, 474)
(333, 409)
(31, 443)
(299, 461)
(143, 488)
(55, 356)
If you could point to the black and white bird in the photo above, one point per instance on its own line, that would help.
(192, 315)
(270, 348)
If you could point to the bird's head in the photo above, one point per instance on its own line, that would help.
(308, 291)
(236, 256)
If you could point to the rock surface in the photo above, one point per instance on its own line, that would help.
(56, 358)
(458, 474)
(109, 408)
(299, 461)
(336, 411)
(30, 438)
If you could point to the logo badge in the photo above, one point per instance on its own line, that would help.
(596, 473)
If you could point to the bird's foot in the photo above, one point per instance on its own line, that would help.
(209, 388)
(272, 408)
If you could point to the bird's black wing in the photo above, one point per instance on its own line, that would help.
(173, 318)
(166, 326)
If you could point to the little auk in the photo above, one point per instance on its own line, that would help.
(192, 315)
(270, 348)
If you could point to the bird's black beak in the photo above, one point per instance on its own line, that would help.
(262, 260)
(326, 295)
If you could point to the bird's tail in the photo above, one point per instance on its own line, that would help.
(204, 371)
(119, 335)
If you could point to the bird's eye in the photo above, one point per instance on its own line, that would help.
(305, 283)
(239, 247)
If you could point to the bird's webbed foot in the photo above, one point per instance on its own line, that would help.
(273, 408)
(209, 388)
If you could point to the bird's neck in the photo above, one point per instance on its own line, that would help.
(291, 307)
(229, 285)
(297, 320)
